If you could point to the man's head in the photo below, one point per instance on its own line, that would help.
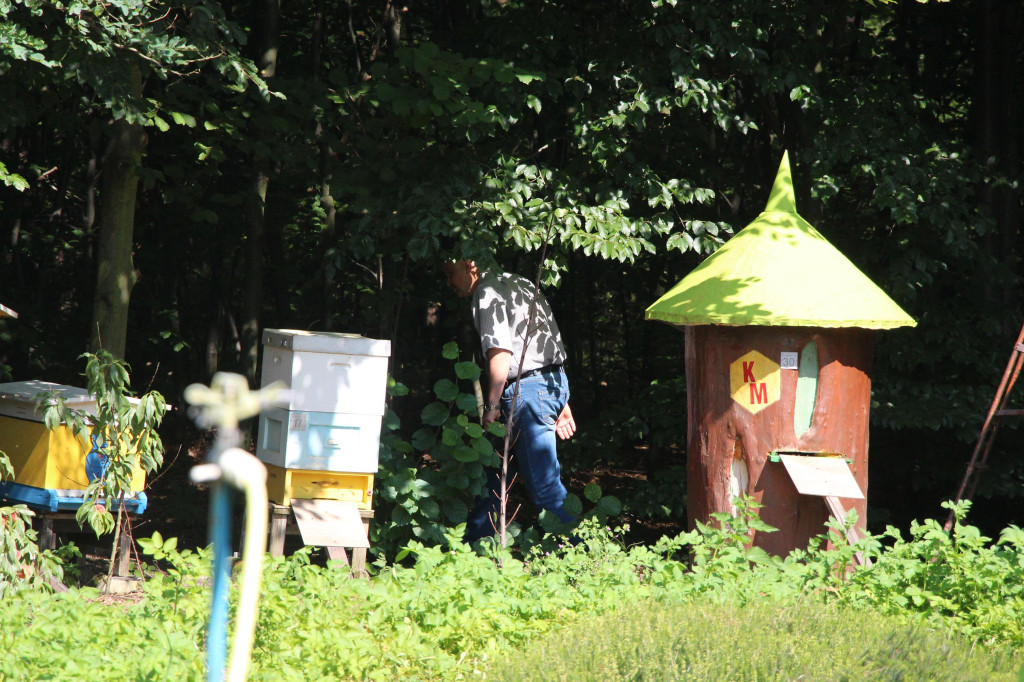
(462, 276)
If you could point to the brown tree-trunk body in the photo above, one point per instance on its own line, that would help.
(720, 429)
(268, 30)
(115, 276)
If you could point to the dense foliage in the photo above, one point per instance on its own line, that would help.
(453, 614)
(301, 166)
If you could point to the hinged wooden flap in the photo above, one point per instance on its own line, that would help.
(330, 523)
(822, 476)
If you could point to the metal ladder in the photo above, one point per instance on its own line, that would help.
(998, 409)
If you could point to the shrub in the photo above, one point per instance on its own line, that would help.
(956, 579)
(22, 564)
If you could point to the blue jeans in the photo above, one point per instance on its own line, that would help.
(541, 399)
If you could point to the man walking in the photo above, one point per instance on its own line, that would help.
(516, 326)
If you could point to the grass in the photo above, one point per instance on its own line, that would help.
(759, 641)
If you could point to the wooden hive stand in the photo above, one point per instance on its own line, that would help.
(331, 524)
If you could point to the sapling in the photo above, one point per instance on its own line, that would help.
(121, 435)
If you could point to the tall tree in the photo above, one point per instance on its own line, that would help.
(112, 71)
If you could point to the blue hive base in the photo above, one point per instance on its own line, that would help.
(51, 500)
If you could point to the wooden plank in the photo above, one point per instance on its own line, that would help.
(836, 508)
(822, 476)
(330, 523)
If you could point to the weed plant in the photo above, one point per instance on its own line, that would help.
(446, 612)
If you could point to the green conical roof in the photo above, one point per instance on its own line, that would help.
(779, 271)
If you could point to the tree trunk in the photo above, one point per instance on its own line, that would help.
(330, 239)
(255, 215)
(253, 303)
(115, 275)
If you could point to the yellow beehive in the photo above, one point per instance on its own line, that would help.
(40, 457)
(283, 485)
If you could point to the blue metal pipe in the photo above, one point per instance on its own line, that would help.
(220, 537)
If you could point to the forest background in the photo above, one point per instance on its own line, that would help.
(177, 176)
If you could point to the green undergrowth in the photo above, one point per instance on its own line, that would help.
(761, 640)
(448, 613)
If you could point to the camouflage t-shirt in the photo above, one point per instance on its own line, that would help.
(501, 314)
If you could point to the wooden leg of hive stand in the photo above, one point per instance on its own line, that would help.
(124, 554)
(359, 553)
(278, 526)
(337, 553)
(47, 538)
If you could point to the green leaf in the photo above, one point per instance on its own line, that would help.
(450, 350)
(573, 505)
(456, 511)
(429, 508)
(592, 492)
(466, 402)
(396, 388)
(458, 481)
(446, 390)
(482, 446)
(13, 179)
(434, 414)
(528, 78)
(464, 453)
(424, 439)
(610, 505)
(400, 517)
(467, 370)
(183, 119)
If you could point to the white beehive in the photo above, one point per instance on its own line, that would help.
(337, 386)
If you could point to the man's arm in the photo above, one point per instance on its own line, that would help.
(498, 362)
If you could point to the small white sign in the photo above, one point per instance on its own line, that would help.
(789, 360)
(297, 421)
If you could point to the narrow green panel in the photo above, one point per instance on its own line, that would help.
(806, 389)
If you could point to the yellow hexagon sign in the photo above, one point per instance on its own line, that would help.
(754, 381)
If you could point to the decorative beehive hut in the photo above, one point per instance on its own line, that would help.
(778, 354)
